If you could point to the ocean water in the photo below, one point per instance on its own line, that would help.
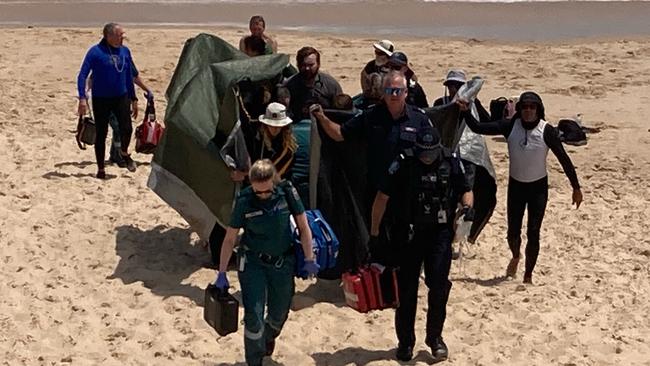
(525, 20)
(375, 2)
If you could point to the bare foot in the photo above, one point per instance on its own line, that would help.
(511, 271)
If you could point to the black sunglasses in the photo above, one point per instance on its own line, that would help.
(259, 193)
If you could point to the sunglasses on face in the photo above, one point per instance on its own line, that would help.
(528, 106)
(396, 67)
(394, 91)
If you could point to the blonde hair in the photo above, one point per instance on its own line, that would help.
(263, 170)
(288, 139)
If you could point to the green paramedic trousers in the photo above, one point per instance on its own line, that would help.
(269, 285)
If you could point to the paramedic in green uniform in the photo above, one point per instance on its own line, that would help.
(266, 256)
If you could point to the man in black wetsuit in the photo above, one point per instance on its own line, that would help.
(529, 138)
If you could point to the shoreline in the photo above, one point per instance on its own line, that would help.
(545, 21)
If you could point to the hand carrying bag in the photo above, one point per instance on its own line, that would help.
(149, 132)
(324, 243)
(86, 131)
(221, 310)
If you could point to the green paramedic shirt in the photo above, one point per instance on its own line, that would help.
(266, 222)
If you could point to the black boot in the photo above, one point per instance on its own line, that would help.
(439, 350)
(404, 353)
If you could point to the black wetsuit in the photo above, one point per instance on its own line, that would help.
(531, 193)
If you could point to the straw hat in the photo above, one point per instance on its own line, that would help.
(275, 116)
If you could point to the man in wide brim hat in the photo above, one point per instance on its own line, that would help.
(384, 46)
(374, 70)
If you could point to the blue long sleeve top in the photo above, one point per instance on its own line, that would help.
(112, 72)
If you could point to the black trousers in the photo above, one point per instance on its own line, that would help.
(430, 246)
(102, 108)
(533, 195)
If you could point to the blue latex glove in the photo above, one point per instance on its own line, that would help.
(311, 268)
(222, 281)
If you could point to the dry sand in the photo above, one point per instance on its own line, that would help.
(104, 272)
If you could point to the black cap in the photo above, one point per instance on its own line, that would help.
(428, 138)
(398, 58)
(531, 97)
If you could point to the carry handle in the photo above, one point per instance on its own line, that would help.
(77, 136)
(323, 228)
(149, 109)
(90, 107)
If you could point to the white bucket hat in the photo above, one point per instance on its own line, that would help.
(275, 116)
(385, 46)
(455, 75)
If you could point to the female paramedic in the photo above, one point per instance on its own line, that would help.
(266, 256)
(529, 138)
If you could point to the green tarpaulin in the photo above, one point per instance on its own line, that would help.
(187, 170)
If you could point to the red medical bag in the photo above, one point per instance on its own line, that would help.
(372, 287)
(359, 290)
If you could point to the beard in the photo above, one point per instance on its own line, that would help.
(311, 73)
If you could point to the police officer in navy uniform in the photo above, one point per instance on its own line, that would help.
(419, 200)
(387, 128)
(266, 257)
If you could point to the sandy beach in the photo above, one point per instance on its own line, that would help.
(104, 272)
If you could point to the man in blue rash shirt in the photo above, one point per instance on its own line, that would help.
(112, 91)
